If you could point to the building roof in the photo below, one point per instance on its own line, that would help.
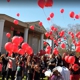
(24, 24)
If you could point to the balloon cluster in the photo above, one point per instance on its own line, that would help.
(17, 42)
(45, 3)
(71, 60)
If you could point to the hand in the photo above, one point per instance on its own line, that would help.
(49, 63)
(43, 71)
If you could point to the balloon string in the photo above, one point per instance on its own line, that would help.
(46, 16)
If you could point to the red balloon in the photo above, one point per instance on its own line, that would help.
(66, 58)
(41, 3)
(62, 33)
(16, 22)
(77, 16)
(72, 14)
(24, 46)
(32, 27)
(8, 35)
(18, 14)
(47, 51)
(63, 45)
(45, 43)
(12, 29)
(71, 59)
(21, 39)
(51, 37)
(48, 18)
(55, 41)
(15, 48)
(21, 51)
(40, 23)
(9, 47)
(15, 40)
(50, 32)
(47, 34)
(77, 34)
(62, 10)
(75, 67)
(8, 0)
(77, 48)
(52, 27)
(78, 43)
(30, 51)
(55, 51)
(51, 15)
(48, 3)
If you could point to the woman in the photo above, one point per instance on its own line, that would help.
(30, 67)
(43, 67)
(36, 75)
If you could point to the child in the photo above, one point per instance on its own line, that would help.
(56, 75)
(19, 72)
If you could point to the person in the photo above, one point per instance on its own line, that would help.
(52, 62)
(36, 75)
(75, 75)
(29, 68)
(19, 72)
(43, 67)
(11, 67)
(4, 63)
(56, 75)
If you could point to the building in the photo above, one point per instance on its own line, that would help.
(33, 38)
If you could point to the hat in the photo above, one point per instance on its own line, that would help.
(54, 70)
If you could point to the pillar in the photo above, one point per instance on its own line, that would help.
(1, 32)
(52, 45)
(42, 37)
(25, 34)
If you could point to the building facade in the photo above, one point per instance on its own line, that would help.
(33, 37)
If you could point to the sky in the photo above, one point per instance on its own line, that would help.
(30, 11)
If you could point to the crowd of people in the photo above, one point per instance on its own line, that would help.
(33, 67)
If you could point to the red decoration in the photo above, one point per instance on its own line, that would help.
(47, 34)
(8, 35)
(77, 16)
(48, 18)
(40, 23)
(62, 10)
(66, 58)
(62, 33)
(12, 29)
(48, 3)
(16, 22)
(30, 51)
(41, 3)
(63, 45)
(51, 15)
(52, 27)
(15, 40)
(8, 0)
(45, 43)
(55, 51)
(25, 46)
(77, 48)
(18, 14)
(71, 59)
(15, 48)
(9, 47)
(75, 67)
(72, 14)
(21, 51)
(21, 39)
(32, 27)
